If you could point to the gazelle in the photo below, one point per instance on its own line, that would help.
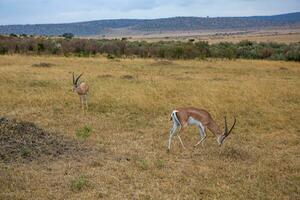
(81, 89)
(184, 117)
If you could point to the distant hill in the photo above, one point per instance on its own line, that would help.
(135, 26)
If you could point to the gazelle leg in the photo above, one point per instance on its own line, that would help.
(86, 103)
(202, 135)
(172, 131)
(181, 141)
(81, 102)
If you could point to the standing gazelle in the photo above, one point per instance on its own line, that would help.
(184, 117)
(82, 90)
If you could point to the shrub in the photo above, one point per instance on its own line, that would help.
(293, 52)
(25, 152)
(3, 49)
(203, 48)
(143, 164)
(79, 183)
(68, 35)
(84, 132)
(40, 47)
(160, 164)
(13, 35)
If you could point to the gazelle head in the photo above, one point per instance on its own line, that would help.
(75, 82)
(222, 137)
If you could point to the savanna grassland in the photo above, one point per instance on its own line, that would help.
(128, 121)
(280, 36)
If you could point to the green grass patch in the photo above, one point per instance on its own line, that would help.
(78, 183)
(84, 132)
(160, 164)
(143, 164)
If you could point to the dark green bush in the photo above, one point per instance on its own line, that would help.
(3, 49)
(68, 35)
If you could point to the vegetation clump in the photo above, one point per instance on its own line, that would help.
(79, 183)
(43, 64)
(84, 132)
(117, 48)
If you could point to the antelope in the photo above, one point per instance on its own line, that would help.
(184, 117)
(82, 90)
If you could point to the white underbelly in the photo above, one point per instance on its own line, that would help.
(192, 121)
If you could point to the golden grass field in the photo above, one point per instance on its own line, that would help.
(263, 37)
(130, 121)
(279, 36)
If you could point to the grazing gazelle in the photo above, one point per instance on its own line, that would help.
(183, 117)
(82, 90)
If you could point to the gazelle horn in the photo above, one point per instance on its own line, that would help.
(226, 132)
(76, 81)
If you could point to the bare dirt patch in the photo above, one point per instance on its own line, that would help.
(104, 76)
(162, 63)
(43, 64)
(25, 142)
(128, 77)
(283, 69)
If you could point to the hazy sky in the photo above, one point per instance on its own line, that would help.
(58, 11)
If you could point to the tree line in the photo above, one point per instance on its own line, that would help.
(22, 44)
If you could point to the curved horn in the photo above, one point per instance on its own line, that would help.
(231, 127)
(225, 126)
(78, 78)
(73, 78)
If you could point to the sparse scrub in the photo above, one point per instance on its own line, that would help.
(163, 49)
(39, 83)
(143, 164)
(84, 132)
(78, 183)
(42, 64)
(25, 151)
(160, 164)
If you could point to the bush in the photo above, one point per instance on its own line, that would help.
(40, 47)
(13, 35)
(143, 164)
(84, 132)
(293, 53)
(68, 35)
(160, 164)
(3, 50)
(78, 184)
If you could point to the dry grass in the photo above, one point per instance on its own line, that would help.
(129, 119)
(270, 37)
(280, 36)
